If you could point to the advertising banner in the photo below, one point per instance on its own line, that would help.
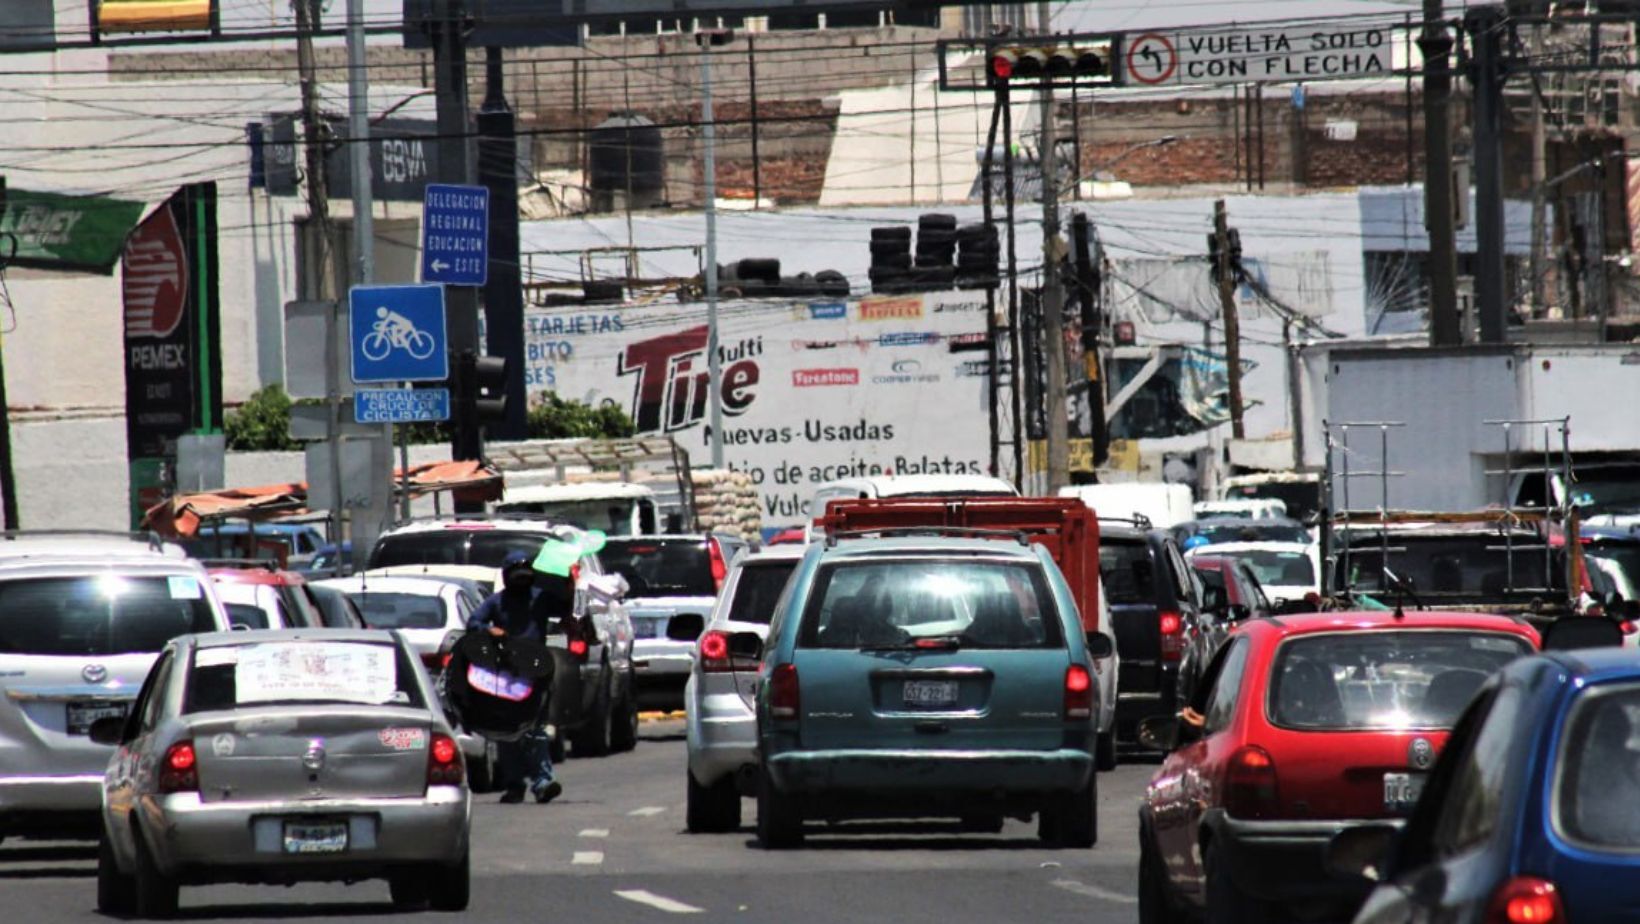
(812, 390)
(58, 231)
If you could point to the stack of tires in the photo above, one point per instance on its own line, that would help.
(936, 252)
(978, 256)
(890, 260)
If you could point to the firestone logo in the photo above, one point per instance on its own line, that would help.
(811, 378)
(671, 384)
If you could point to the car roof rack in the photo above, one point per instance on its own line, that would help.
(955, 531)
(1139, 520)
(153, 540)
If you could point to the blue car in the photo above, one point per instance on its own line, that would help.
(928, 677)
(1532, 813)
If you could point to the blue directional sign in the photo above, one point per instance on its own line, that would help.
(401, 405)
(455, 235)
(398, 334)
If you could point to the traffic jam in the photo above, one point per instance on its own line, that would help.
(1381, 733)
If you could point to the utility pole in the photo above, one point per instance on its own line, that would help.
(455, 166)
(314, 137)
(1436, 46)
(1229, 268)
(757, 161)
(1053, 290)
(714, 370)
(1540, 242)
(503, 293)
(1088, 257)
(1485, 26)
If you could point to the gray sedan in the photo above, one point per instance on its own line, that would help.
(279, 757)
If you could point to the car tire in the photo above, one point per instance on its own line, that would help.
(779, 821)
(449, 888)
(1226, 903)
(1071, 820)
(408, 888)
(1155, 906)
(116, 891)
(592, 740)
(1104, 751)
(156, 894)
(713, 809)
(623, 732)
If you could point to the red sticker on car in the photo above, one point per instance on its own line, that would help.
(403, 739)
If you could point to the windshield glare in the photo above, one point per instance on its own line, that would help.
(1282, 569)
(656, 568)
(1598, 797)
(894, 604)
(1384, 679)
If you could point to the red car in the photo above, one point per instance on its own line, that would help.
(1301, 726)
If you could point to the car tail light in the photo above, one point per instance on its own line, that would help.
(179, 771)
(783, 692)
(720, 568)
(578, 648)
(444, 762)
(1171, 625)
(1526, 900)
(1078, 693)
(1250, 784)
(1629, 628)
(434, 662)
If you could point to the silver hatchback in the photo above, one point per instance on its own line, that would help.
(280, 757)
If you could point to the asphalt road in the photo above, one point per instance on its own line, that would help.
(613, 849)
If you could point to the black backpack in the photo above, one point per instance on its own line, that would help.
(499, 687)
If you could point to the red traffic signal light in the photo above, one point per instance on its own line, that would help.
(1079, 61)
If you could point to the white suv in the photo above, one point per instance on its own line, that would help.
(720, 695)
(82, 620)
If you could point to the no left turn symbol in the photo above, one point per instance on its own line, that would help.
(1151, 59)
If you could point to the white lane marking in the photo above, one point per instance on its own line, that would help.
(588, 857)
(595, 832)
(660, 902)
(647, 811)
(1071, 885)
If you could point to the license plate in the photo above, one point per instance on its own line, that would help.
(315, 837)
(81, 716)
(645, 628)
(1401, 790)
(930, 694)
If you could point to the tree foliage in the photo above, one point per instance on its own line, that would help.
(552, 417)
(262, 423)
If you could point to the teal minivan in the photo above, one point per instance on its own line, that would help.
(921, 674)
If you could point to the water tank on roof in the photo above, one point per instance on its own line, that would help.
(627, 163)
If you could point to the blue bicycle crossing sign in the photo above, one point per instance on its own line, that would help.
(398, 334)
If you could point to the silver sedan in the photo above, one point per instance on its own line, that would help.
(279, 757)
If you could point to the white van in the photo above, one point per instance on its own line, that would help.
(1164, 505)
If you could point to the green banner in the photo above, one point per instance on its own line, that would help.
(67, 232)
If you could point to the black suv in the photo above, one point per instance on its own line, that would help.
(1154, 600)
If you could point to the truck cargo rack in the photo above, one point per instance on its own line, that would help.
(1018, 535)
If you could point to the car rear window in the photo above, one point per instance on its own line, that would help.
(894, 604)
(400, 611)
(244, 614)
(1254, 531)
(1415, 678)
(758, 591)
(300, 673)
(662, 568)
(1283, 569)
(1476, 566)
(100, 614)
(1128, 571)
(1598, 785)
(484, 547)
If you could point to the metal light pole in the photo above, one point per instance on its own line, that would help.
(1053, 291)
(714, 370)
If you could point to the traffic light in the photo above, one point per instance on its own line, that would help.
(481, 387)
(1087, 62)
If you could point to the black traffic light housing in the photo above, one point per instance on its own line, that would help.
(481, 387)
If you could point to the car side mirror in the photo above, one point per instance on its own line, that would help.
(685, 627)
(746, 645)
(1100, 645)
(1361, 852)
(1236, 612)
(1159, 732)
(108, 730)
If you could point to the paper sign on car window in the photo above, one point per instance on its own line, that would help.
(319, 671)
(183, 587)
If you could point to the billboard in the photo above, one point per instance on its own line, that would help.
(812, 390)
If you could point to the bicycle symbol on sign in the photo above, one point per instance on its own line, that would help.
(393, 331)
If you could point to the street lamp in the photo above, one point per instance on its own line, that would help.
(707, 39)
(1122, 155)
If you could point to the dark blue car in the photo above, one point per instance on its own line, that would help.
(1532, 813)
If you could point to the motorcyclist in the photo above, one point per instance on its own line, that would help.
(522, 609)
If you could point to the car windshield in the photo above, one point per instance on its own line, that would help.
(612, 515)
(1254, 531)
(1598, 790)
(400, 610)
(103, 614)
(662, 567)
(758, 590)
(897, 604)
(459, 546)
(1279, 568)
(1476, 566)
(1390, 679)
(301, 672)
(1127, 570)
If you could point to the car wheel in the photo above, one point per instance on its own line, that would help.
(1071, 820)
(592, 740)
(156, 893)
(1104, 756)
(623, 733)
(713, 809)
(116, 893)
(1154, 905)
(1226, 903)
(449, 888)
(779, 822)
(408, 888)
